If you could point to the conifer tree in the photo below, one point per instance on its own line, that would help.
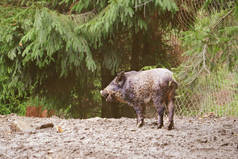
(45, 44)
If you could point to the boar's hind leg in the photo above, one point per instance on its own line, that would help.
(171, 114)
(171, 109)
(140, 115)
(159, 105)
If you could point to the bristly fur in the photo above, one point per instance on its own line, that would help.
(137, 89)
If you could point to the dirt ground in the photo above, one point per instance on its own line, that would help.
(99, 138)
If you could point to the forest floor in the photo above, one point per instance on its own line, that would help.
(100, 138)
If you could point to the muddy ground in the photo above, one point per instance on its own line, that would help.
(211, 138)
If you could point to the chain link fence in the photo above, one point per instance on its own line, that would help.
(212, 93)
(215, 94)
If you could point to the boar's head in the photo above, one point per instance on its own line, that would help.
(114, 90)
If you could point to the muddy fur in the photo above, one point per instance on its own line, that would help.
(137, 89)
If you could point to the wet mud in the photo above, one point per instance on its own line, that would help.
(99, 138)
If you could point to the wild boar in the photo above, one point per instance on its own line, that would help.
(138, 89)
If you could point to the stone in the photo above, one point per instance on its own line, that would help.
(20, 126)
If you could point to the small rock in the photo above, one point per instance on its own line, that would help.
(235, 131)
(202, 140)
(88, 153)
(227, 126)
(156, 144)
(50, 152)
(20, 126)
(222, 132)
(82, 138)
(132, 129)
(225, 144)
(86, 128)
(214, 138)
(162, 145)
(171, 135)
(96, 119)
(5, 129)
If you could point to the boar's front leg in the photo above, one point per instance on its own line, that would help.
(140, 114)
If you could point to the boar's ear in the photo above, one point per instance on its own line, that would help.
(120, 79)
(120, 76)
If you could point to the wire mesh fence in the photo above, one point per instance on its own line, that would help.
(212, 95)
(188, 10)
(215, 94)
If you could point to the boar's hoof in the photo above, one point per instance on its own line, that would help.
(140, 123)
(171, 126)
(160, 126)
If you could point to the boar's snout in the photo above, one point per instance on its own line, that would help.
(106, 95)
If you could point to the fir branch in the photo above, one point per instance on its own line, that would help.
(222, 18)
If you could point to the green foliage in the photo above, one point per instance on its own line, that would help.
(216, 93)
(148, 67)
(50, 48)
(30, 46)
(40, 101)
(117, 14)
(208, 45)
(220, 93)
(208, 77)
(85, 5)
(52, 34)
(12, 89)
(169, 5)
(31, 3)
(236, 9)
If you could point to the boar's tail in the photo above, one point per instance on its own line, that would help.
(173, 85)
